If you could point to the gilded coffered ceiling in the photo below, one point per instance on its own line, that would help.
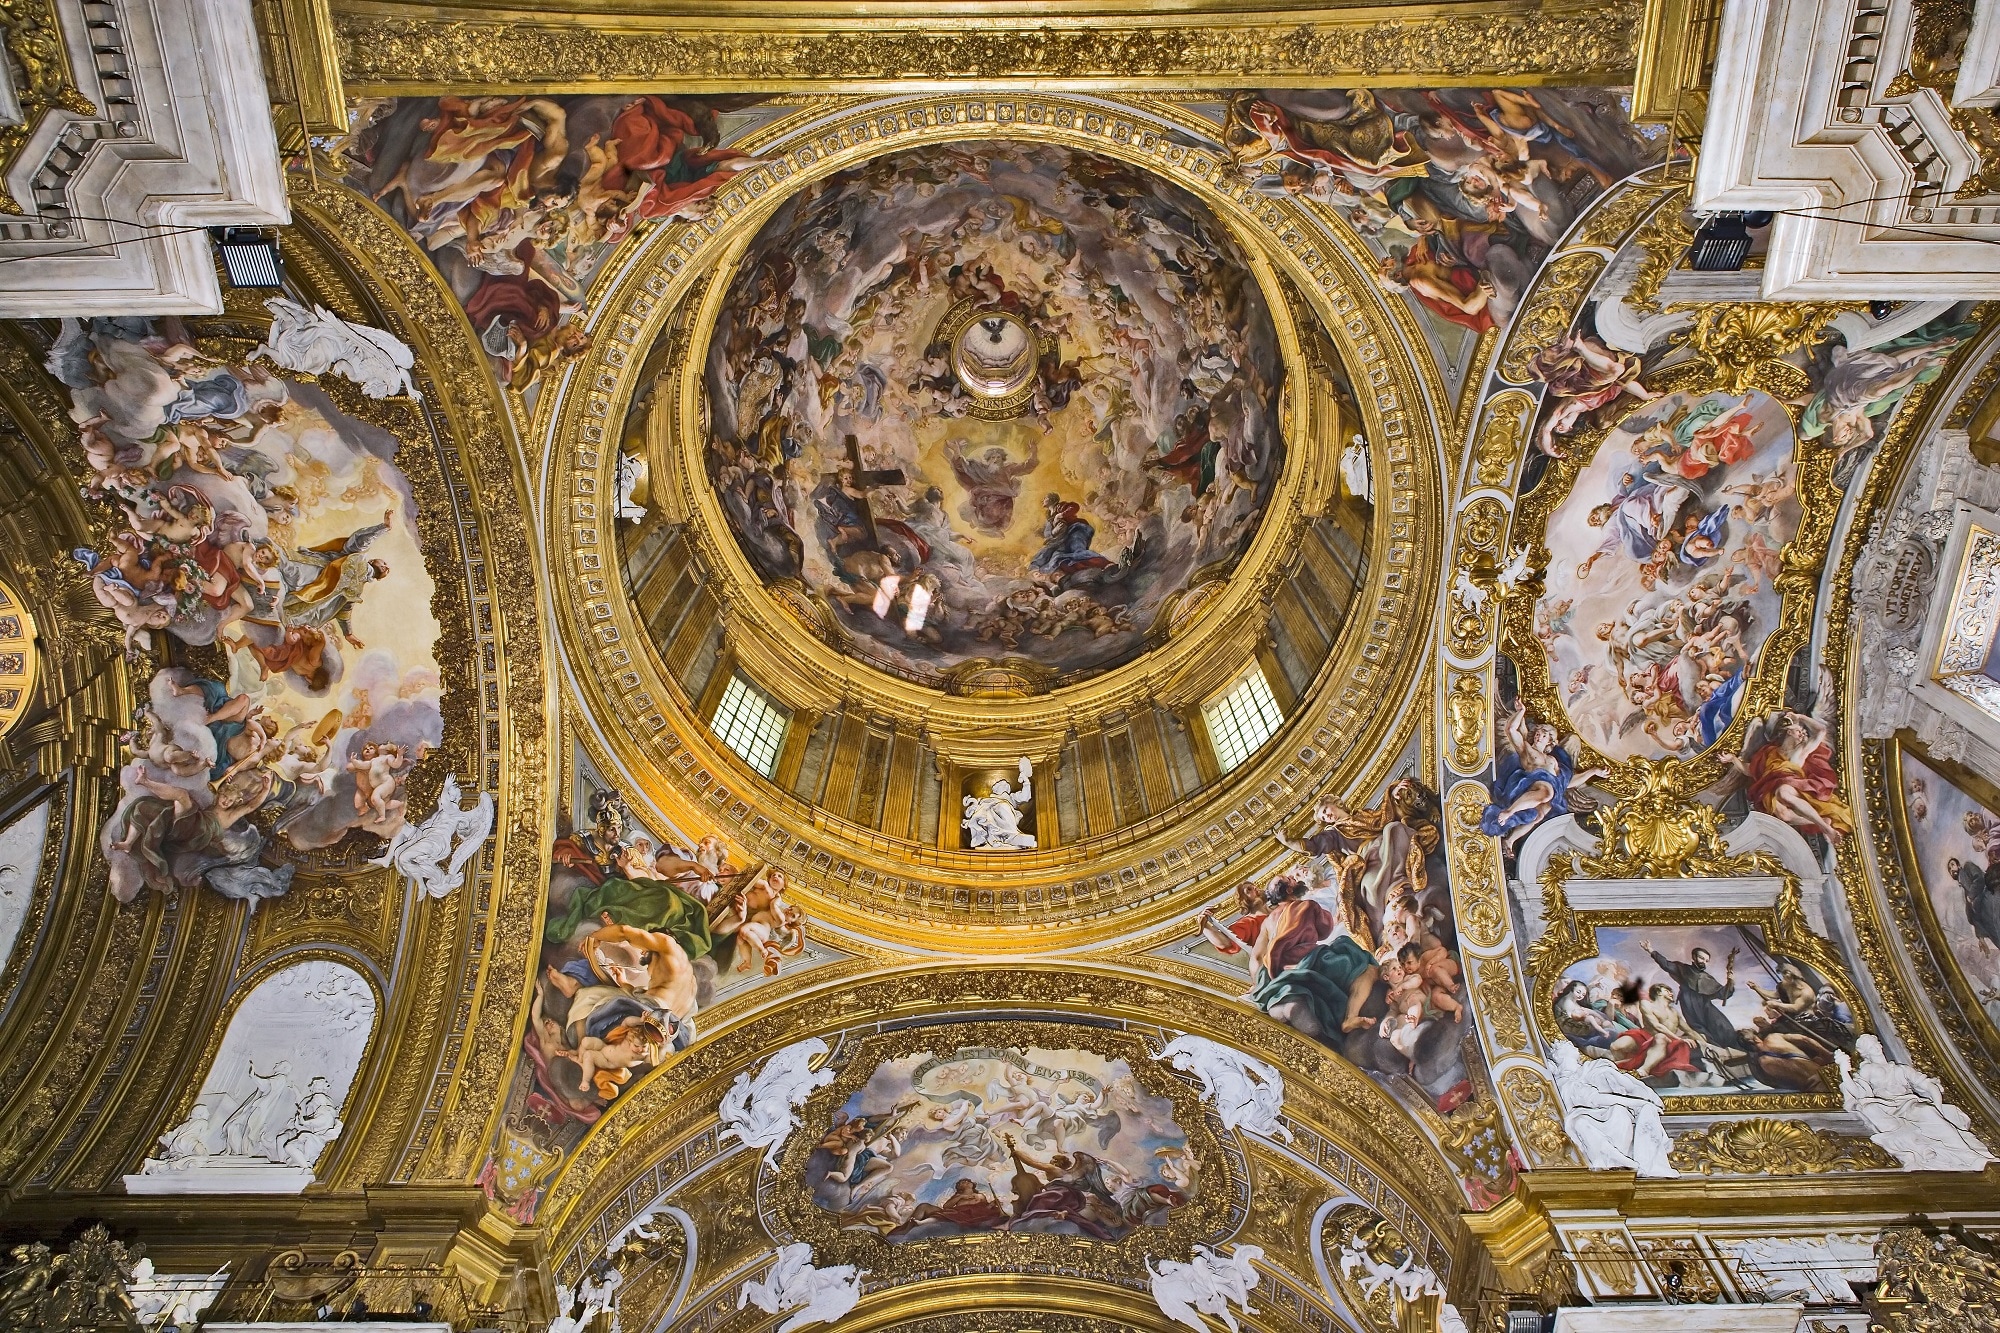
(1056, 668)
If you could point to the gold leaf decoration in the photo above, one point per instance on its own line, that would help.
(1762, 1145)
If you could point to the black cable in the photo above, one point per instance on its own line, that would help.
(1860, 222)
(85, 249)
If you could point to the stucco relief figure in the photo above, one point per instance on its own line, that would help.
(815, 1295)
(1383, 1259)
(315, 1123)
(184, 1146)
(1906, 1113)
(1247, 1093)
(316, 341)
(993, 821)
(1611, 1117)
(762, 1111)
(1208, 1284)
(1357, 470)
(425, 852)
(631, 480)
(1821, 1270)
(270, 1102)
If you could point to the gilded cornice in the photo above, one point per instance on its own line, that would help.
(855, 876)
(389, 49)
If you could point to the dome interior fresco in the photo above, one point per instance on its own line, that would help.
(946, 671)
(877, 435)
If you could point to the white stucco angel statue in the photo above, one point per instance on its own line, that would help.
(819, 1295)
(1207, 1284)
(1611, 1116)
(1248, 1094)
(315, 341)
(425, 851)
(1906, 1112)
(760, 1110)
(993, 821)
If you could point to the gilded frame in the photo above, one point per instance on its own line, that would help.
(1797, 582)
(1785, 930)
(1972, 1030)
(1208, 1218)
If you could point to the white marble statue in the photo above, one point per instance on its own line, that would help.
(1469, 595)
(631, 476)
(316, 341)
(596, 1294)
(761, 1111)
(1906, 1112)
(159, 1299)
(1820, 1270)
(1410, 1280)
(1207, 1284)
(185, 1145)
(1514, 572)
(425, 851)
(315, 1123)
(1357, 470)
(994, 820)
(270, 1102)
(1611, 1117)
(1248, 1094)
(243, 1128)
(817, 1295)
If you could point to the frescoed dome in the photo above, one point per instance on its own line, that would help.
(993, 399)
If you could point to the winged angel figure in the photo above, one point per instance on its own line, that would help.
(1207, 1284)
(421, 850)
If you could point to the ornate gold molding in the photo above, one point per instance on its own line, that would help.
(394, 49)
(1934, 1282)
(1763, 1146)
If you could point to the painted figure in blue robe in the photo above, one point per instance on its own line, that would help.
(1719, 708)
(1532, 780)
(1066, 539)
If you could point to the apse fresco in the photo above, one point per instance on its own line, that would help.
(994, 400)
(1956, 837)
(1354, 942)
(991, 1139)
(518, 200)
(640, 934)
(1662, 570)
(1696, 1010)
(254, 517)
(1460, 192)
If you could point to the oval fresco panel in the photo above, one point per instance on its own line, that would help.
(989, 1139)
(1662, 566)
(993, 400)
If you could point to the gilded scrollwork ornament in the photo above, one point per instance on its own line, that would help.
(1745, 342)
(1931, 1281)
(1767, 1146)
